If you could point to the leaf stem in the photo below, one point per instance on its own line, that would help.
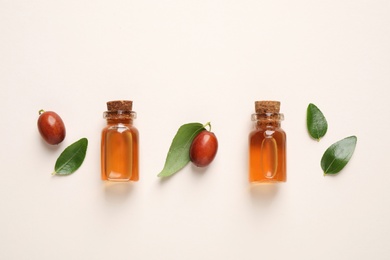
(207, 124)
(40, 112)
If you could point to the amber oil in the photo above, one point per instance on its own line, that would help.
(267, 144)
(119, 143)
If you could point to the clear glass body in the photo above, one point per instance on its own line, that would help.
(267, 149)
(119, 147)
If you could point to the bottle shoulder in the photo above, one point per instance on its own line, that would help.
(261, 131)
(120, 127)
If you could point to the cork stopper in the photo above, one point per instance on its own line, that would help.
(124, 105)
(262, 107)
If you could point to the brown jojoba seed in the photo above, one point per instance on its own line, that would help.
(51, 127)
(203, 148)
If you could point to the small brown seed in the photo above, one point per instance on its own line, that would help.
(203, 148)
(51, 127)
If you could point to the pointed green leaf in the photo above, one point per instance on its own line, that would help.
(338, 155)
(71, 158)
(316, 122)
(179, 152)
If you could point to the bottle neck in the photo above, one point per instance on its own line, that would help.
(266, 124)
(115, 121)
(267, 120)
(120, 117)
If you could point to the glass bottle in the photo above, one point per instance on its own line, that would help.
(119, 144)
(267, 144)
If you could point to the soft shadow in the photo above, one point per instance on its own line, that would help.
(163, 180)
(198, 171)
(264, 193)
(117, 191)
(50, 147)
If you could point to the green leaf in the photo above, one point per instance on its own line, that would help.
(316, 122)
(338, 155)
(71, 158)
(179, 152)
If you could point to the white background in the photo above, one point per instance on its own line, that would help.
(187, 61)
